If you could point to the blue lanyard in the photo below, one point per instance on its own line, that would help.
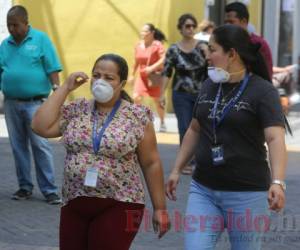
(228, 106)
(97, 137)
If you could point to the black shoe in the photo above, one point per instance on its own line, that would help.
(21, 194)
(53, 199)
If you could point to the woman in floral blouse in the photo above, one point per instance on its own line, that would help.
(107, 139)
(187, 59)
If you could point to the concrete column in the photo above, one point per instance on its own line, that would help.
(296, 40)
(5, 6)
(271, 17)
(296, 32)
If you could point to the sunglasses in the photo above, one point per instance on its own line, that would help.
(188, 26)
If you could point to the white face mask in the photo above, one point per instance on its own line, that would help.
(218, 75)
(102, 91)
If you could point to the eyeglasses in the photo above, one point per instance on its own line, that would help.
(188, 26)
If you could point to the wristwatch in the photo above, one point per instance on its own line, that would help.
(281, 183)
(55, 87)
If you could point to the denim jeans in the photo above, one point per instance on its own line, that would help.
(245, 215)
(183, 104)
(18, 116)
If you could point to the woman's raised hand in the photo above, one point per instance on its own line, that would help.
(75, 80)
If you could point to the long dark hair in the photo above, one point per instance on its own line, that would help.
(123, 70)
(158, 34)
(232, 36)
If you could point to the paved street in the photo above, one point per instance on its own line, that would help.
(33, 224)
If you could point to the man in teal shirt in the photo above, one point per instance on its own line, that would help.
(29, 69)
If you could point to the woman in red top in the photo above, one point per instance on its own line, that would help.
(149, 57)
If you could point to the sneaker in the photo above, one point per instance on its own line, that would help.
(163, 128)
(53, 199)
(21, 194)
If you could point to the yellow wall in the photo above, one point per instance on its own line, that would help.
(84, 29)
(255, 11)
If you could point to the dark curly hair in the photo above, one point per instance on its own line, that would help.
(182, 19)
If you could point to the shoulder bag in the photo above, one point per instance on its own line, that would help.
(155, 79)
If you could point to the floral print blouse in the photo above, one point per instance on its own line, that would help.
(190, 68)
(117, 160)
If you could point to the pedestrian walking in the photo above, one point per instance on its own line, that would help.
(107, 139)
(186, 59)
(237, 13)
(149, 57)
(237, 111)
(29, 69)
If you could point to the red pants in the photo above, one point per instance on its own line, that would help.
(90, 223)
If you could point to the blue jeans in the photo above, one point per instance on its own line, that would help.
(183, 104)
(18, 116)
(244, 214)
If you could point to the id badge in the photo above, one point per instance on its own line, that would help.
(91, 177)
(217, 155)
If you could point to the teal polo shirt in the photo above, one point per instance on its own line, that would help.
(25, 68)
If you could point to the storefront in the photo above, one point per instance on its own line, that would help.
(278, 21)
(282, 30)
(5, 5)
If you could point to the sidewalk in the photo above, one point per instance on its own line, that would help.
(171, 137)
(33, 224)
(293, 142)
(3, 129)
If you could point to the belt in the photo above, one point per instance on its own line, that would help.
(30, 99)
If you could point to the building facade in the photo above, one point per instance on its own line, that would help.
(278, 21)
(83, 29)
